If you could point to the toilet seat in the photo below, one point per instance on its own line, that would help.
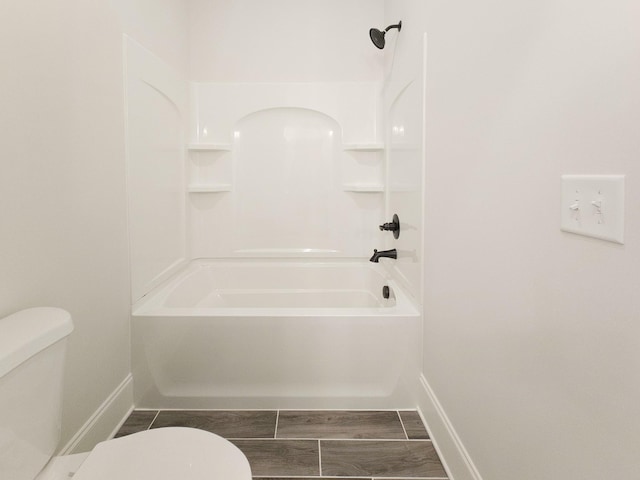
(166, 453)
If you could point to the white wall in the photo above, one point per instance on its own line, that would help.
(62, 187)
(157, 57)
(283, 40)
(530, 336)
(160, 26)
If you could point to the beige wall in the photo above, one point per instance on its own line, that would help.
(63, 199)
(530, 335)
(62, 186)
(283, 40)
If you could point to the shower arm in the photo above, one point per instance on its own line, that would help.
(398, 26)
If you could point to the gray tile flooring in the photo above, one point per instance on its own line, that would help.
(312, 444)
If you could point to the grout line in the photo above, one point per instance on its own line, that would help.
(402, 423)
(331, 439)
(266, 439)
(275, 409)
(154, 419)
(283, 477)
(207, 409)
(269, 439)
(275, 433)
(413, 478)
(343, 477)
(308, 439)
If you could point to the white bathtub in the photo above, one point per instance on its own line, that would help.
(275, 334)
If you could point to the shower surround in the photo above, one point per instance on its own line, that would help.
(259, 293)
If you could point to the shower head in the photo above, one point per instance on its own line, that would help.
(377, 36)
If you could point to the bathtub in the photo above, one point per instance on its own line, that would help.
(275, 334)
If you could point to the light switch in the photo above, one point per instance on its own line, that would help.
(593, 205)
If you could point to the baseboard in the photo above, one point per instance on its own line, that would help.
(454, 456)
(105, 421)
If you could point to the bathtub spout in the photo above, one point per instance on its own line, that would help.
(393, 253)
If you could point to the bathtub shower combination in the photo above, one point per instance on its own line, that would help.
(266, 334)
(284, 185)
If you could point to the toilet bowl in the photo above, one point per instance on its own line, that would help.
(163, 453)
(32, 348)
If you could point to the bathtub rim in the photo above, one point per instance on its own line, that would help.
(151, 304)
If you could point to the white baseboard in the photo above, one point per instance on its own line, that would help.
(454, 456)
(100, 426)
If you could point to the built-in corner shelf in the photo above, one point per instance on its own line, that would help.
(364, 147)
(363, 187)
(216, 147)
(209, 188)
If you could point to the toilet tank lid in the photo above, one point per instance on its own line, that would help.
(30, 331)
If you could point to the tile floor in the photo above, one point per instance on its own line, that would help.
(355, 445)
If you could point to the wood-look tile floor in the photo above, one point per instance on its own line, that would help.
(349, 444)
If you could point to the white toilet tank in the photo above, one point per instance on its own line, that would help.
(32, 350)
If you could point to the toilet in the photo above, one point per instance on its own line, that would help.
(32, 350)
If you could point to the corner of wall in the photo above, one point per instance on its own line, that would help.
(113, 411)
(454, 456)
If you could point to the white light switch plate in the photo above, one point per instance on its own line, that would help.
(593, 205)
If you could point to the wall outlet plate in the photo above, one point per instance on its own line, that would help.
(593, 206)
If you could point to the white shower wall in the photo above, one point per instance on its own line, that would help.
(249, 193)
(404, 141)
(285, 169)
(156, 108)
(252, 60)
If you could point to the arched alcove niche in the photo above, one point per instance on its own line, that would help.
(286, 182)
(287, 195)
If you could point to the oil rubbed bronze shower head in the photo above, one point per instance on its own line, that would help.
(377, 36)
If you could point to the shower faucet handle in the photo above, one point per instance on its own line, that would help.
(393, 226)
